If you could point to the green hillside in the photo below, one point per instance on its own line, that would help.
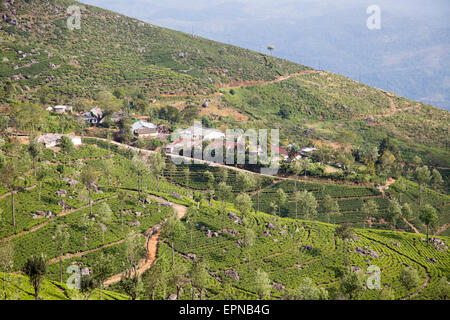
(112, 50)
(373, 193)
(288, 250)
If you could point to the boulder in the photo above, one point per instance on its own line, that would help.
(355, 268)
(192, 256)
(176, 196)
(278, 286)
(266, 233)
(234, 217)
(173, 296)
(61, 193)
(233, 274)
(270, 226)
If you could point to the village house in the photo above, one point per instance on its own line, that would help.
(307, 151)
(198, 132)
(62, 109)
(178, 145)
(51, 140)
(143, 129)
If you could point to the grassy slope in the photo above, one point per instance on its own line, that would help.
(50, 290)
(315, 102)
(126, 51)
(278, 257)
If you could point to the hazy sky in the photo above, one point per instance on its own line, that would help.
(410, 54)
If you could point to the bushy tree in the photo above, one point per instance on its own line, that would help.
(262, 284)
(331, 208)
(308, 291)
(35, 268)
(429, 217)
(6, 261)
(409, 278)
(61, 238)
(157, 166)
(351, 285)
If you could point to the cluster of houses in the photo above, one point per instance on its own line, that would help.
(194, 135)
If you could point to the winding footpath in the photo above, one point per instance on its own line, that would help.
(151, 245)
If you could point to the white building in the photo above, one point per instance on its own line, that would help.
(198, 132)
(51, 140)
(62, 109)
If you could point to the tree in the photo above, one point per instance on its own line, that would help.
(245, 180)
(42, 173)
(199, 277)
(133, 244)
(122, 196)
(101, 270)
(209, 179)
(158, 277)
(178, 278)
(105, 215)
(249, 241)
(351, 285)
(224, 193)
(35, 268)
(138, 165)
(61, 239)
(406, 211)
(394, 212)
(271, 47)
(88, 178)
(157, 165)
(369, 208)
(442, 290)
(85, 224)
(190, 220)
(429, 217)
(243, 203)
(9, 176)
(171, 229)
(258, 185)
(35, 150)
(223, 174)
(409, 278)
(6, 261)
(308, 291)
(108, 166)
(198, 196)
(344, 232)
(262, 284)
(308, 204)
(131, 284)
(282, 198)
(331, 208)
(186, 173)
(423, 177)
(106, 101)
(436, 180)
(387, 159)
(304, 164)
(67, 147)
(401, 186)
